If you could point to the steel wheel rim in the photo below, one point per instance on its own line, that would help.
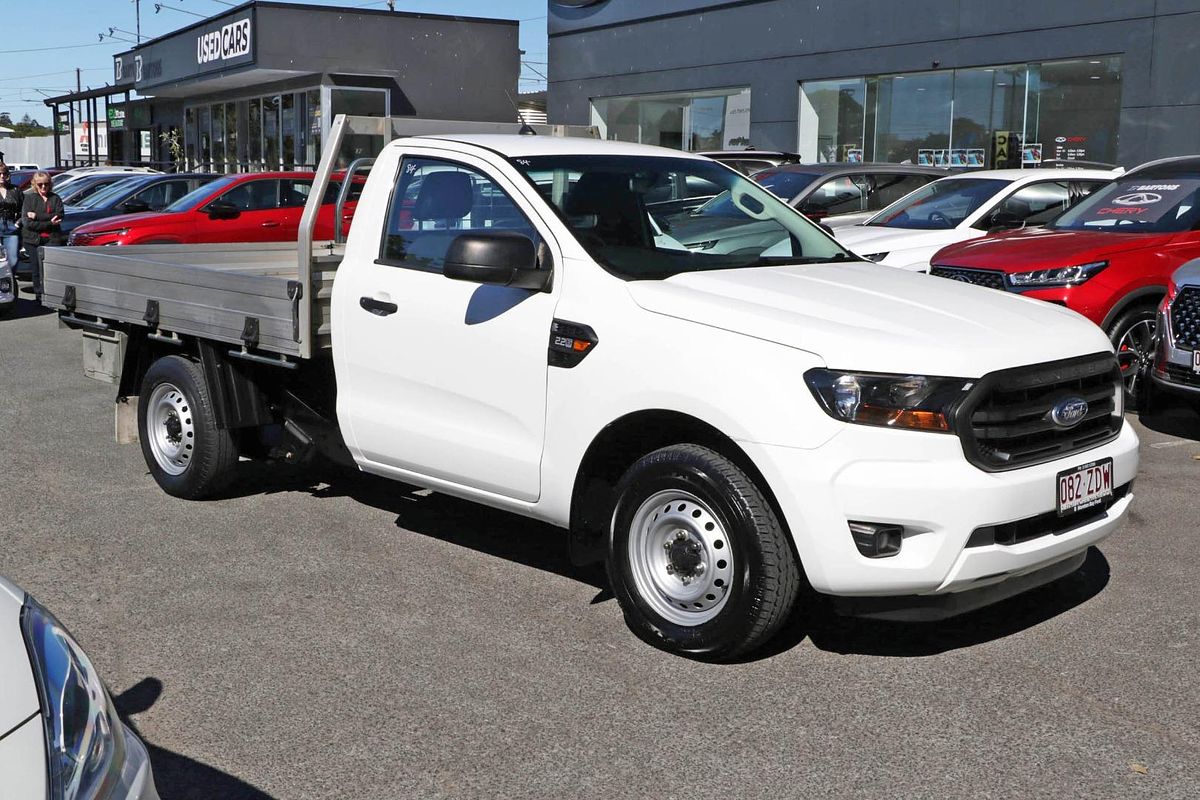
(680, 558)
(170, 428)
(1135, 348)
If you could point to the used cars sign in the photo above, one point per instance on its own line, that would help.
(231, 41)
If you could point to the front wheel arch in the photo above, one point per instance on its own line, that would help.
(616, 447)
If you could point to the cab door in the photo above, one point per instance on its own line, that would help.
(438, 377)
(257, 219)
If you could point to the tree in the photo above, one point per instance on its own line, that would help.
(28, 126)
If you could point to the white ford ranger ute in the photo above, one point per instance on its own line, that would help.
(512, 322)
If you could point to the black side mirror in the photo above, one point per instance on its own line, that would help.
(1005, 221)
(501, 259)
(222, 210)
(135, 206)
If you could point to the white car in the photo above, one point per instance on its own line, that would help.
(77, 171)
(907, 233)
(60, 737)
(63, 179)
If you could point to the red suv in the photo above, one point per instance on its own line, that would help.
(254, 207)
(1110, 257)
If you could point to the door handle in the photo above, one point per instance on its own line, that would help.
(270, 225)
(378, 307)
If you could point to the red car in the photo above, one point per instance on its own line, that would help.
(1110, 257)
(252, 207)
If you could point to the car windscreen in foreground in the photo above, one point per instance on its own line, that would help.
(940, 205)
(1133, 205)
(603, 200)
(198, 194)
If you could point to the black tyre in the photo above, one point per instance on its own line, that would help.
(697, 557)
(188, 455)
(1132, 337)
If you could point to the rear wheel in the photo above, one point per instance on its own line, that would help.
(1132, 337)
(188, 455)
(697, 557)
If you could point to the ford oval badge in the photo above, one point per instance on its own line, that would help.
(1069, 412)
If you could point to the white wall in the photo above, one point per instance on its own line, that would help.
(33, 150)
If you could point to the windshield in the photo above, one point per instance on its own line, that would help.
(1138, 205)
(624, 211)
(939, 205)
(195, 196)
(82, 189)
(785, 183)
(104, 197)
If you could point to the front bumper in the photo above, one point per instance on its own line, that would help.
(1173, 366)
(923, 482)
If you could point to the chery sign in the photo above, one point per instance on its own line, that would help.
(230, 41)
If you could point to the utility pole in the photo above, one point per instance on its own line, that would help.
(78, 82)
(137, 5)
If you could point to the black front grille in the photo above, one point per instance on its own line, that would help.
(1005, 422)
(1185, 318)
(993, 279)
(1178, 374)
(1047, 524)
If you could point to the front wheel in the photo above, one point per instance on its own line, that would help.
(1132, 337)
(188, 455)
(697, 557)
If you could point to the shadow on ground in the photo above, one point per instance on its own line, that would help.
(849, 635)
(448, 519)
(1173, 418)
(24, 308)
(514, 538)
(176, 776)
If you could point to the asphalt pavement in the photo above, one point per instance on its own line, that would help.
(336, 636)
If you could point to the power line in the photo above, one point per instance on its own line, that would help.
(45, 49)
(534, 71)
(60, 72)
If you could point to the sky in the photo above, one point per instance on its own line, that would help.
(44, 42)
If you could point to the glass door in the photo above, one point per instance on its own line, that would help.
(270, 126)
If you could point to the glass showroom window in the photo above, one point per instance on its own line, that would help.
(1005, 116)
(709, 120)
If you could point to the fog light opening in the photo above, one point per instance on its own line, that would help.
(877, 539)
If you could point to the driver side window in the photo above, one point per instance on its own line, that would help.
(253, 195)
(436, 201)
(1035, 204)
(841, 195)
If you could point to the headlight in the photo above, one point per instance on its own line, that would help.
(892, 401)
(1061, 276)
(876, 257)
(84, 752)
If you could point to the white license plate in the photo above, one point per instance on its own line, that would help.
(1084, 487)
(1196, 361)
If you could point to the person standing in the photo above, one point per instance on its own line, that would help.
(41, 224)
(10, 214)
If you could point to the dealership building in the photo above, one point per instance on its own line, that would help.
(257, 86)
(972, 83)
